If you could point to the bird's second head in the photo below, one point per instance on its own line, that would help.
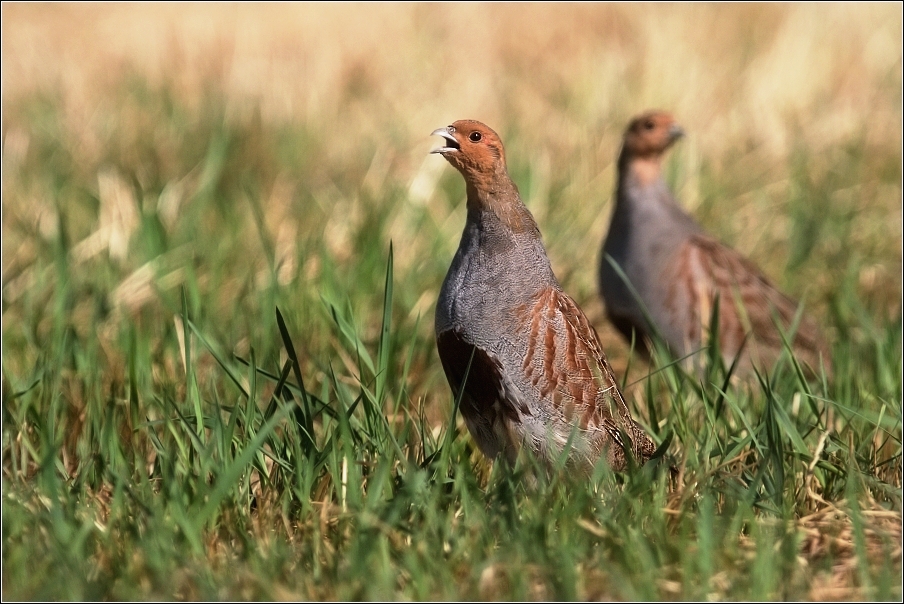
(650, 134)
(473, 148)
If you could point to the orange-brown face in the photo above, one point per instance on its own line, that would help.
(472, 147)
(651, 134)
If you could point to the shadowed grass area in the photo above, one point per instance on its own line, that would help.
(223, 239)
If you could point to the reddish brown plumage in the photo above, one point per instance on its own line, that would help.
(747, 303)
(538, 376)
(678, 272)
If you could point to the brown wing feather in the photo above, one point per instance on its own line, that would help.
(583, 390)
(749, 302)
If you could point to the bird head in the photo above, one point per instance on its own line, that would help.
(473, 148)
(651, 133)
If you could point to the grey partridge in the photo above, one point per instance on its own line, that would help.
(526, 362)
(677, 271)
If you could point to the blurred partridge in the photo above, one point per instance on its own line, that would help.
(528, 365)
(678, 271)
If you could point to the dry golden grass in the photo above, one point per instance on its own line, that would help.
(751, 84)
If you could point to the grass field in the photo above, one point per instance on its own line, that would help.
(174, 174)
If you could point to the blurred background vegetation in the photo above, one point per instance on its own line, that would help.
(172, 173)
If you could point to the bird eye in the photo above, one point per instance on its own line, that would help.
(649, 125)
(474, 137)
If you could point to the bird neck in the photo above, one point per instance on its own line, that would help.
(500, 199)
(644, 202)
(639, 170)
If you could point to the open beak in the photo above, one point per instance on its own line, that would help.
(451, 144)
